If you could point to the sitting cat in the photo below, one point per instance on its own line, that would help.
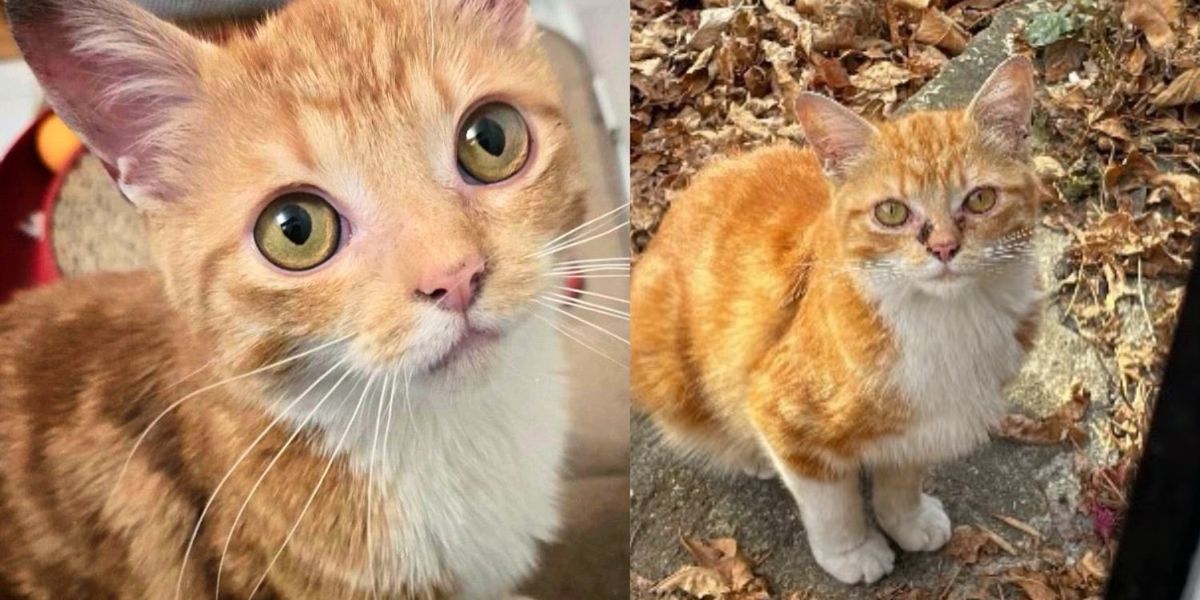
(857, 305)
(332, 387)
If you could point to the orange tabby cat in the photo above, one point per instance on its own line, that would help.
(317, 397)
(857, 305)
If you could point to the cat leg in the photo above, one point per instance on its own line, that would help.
(842, 541)
(915, 520)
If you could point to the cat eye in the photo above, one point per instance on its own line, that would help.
(493, 143)
(981, 200)
(298, 231)
(892, 213)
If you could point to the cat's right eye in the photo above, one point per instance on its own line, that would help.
(891, 213)
(298, 231)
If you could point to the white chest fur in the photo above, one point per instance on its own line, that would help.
(471, 471)
(956, 354)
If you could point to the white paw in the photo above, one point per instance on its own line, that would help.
(865, 563)
(761, 469)
(925, 530)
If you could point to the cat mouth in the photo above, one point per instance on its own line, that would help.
(472, 345)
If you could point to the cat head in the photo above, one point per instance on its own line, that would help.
(934, 202)
(383, 172)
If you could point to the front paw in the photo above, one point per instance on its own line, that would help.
(924, 530)
(864, 563)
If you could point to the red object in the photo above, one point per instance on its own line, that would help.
(26, 187)
(575, 282)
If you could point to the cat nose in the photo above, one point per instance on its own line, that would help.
(944, 250)
(453, 286)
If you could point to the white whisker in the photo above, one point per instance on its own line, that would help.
(254, 488)
(312, 496)
(241, 457)
(582, 320)
(618, 260)
(602, 276)
(597, 294)
(571, 244)
(142, 438)
(584, 305)
(588, 223)
(370, 480)
(568, 335)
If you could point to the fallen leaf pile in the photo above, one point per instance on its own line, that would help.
(1123, 116)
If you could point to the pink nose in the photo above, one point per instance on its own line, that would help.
(453, 287)
(944, 250)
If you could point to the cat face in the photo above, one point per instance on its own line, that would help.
(380, 171)
(937, 201)
(932, 206)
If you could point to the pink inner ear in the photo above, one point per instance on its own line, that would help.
(113, 72)
(838, 136)
(1003, 107)
(513, 16)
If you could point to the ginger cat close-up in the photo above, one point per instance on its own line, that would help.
(857, 305)
(337, 381)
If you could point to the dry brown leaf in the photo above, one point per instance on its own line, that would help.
(1185, 188)
(647, 67)
(1185, 89)
(940, 30)
(1113, 127)
(831, 71)
(698, 582)
(1154, 18)
(785, 12)
(1034, 589)
(713, 22)
(879, 77)
(913, 4)
(1063, 57)
(1062, 426)
(721, 571)
(967, 544)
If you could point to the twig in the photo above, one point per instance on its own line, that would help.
(1019, 525)
(1003, 543)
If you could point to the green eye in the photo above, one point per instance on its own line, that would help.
(981, 200)
(892, 213)
(493, 143)
(298, 231)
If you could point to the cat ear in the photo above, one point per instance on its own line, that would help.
(513, 16)
(118, 76)
(836, 133)
(1003, 107)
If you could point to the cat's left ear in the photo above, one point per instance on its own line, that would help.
(513, 16)
(1003, 107)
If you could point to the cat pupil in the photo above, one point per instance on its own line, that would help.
(489, 135)
(295, 223)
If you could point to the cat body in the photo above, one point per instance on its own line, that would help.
(333, 386)
(780, 328)
(77, 526)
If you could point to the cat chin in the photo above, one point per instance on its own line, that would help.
(945, 287)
